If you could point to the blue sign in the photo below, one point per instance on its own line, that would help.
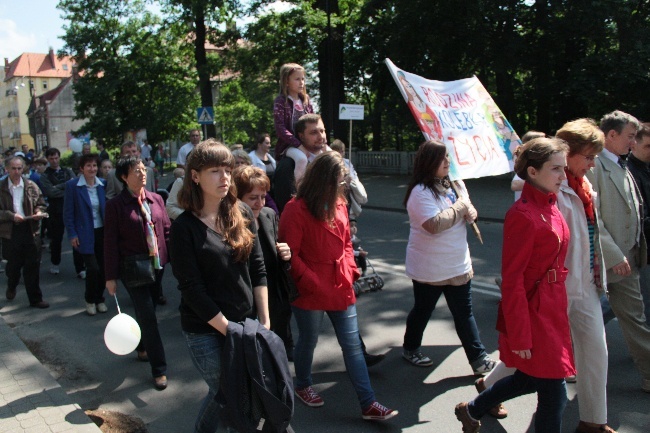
(205, 115)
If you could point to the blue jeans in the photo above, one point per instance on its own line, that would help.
(459, 301)
(205, 350)
(347, 333)
(551, 399)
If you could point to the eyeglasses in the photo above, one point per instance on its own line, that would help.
(139, 171)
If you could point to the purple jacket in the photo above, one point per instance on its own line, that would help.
(124, 233)
(283, 120)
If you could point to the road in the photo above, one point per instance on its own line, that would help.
(71, 344)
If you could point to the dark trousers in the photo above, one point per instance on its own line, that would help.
(459, 301)
(280, 315)
(144, 302)
(23, 252)
(95, 281)
(56, 228)
(551, 399)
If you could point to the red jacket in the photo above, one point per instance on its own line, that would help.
(322, 261)
(533, 309)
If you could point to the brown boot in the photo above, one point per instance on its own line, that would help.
(583, 427)
(470, 425)
(499, 411)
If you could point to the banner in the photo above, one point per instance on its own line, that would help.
(462, 115)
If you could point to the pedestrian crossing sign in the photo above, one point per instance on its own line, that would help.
(205, 115)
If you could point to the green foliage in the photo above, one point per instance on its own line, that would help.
(134, 72)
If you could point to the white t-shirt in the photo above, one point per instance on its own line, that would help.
(436, 257)
(517, 193)
(181, 158)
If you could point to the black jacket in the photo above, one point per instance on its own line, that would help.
(256, 390)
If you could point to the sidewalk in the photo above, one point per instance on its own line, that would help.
(31, 401)
(490, 195)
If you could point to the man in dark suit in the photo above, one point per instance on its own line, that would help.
(53, 182)
(639, 166)
(623, 243)
(21, 210)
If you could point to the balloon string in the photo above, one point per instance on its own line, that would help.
(117, 303)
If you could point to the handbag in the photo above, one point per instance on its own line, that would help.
(137, 271)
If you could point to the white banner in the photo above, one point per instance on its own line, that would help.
(462, 115)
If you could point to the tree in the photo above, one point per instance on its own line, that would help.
(202, 19)
(133, 71)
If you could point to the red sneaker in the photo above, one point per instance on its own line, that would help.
(378, 412)
(309, 396)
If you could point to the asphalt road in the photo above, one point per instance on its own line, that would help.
(71, 344)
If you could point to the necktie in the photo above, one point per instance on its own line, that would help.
(622, 161)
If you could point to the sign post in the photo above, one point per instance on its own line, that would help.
(205, 116)
(350, 112)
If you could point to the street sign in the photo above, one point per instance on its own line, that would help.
(205, 115)
(350, 112)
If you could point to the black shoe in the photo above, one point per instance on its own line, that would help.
(40, 305)
(373, 359)
(11, 294)
(162, 300)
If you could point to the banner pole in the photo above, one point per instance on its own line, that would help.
(477, 232)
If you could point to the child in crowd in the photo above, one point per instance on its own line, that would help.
(288, 107)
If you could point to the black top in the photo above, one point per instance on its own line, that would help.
(209, 279)
(284, 182)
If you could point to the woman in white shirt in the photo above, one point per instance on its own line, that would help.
(437, 256)
(261, 157)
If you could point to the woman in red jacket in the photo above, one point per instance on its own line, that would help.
(315, 226)
(533, 323)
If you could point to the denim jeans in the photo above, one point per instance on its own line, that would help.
(347, 333)
(205, 350)
(459, 301)
(145, 314)
(551, 399)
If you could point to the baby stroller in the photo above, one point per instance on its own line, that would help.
(369, 282)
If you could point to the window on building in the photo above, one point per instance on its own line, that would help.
(65, 66)
(44, 85)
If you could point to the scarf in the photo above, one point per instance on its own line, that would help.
(582, 189)
(150, 230)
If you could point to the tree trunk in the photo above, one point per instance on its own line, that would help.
(330, 71)
(205, 87)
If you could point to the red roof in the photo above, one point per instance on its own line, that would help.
(39, 66)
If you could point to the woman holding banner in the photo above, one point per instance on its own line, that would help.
(437, 256)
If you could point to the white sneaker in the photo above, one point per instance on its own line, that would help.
(91, 309)
(54, 270)
(101, 307)
(81, 275)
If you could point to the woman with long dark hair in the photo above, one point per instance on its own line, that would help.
(315, 225)
(218, 262)
(437, 256)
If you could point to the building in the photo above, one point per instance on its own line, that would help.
(51, 117)
(29, 75)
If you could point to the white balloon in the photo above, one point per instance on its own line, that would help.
(122, 334)
(76, 145)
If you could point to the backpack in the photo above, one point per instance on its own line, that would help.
(256, 389)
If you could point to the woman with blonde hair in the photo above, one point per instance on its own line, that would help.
(217, 259)
(584, 283)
